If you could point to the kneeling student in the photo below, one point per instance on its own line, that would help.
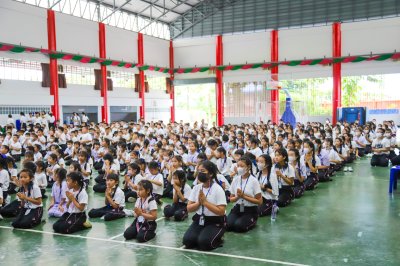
(31, 202)
(144, 226)
(115, 201)
(181, 194)
(246, 192)
(74, 219)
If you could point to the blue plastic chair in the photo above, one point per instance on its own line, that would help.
(394, 173)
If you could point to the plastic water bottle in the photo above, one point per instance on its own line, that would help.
(273, 213)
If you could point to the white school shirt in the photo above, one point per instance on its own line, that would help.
(86, 167)
(380, 144)
(256, 152)
(158, 177)
(86, 137)
(33, 193)
(1, 193)
(15, 145)
(224, 165)
(393, 143)
(333, 155)
(222, 179)
(302, 169)
(53, 168)
(288, 171)
(59, 193)
(82, 199)
(37, 156)
(135, 180)
(40, 180)
(360, 139)
(263, 180)
(186, 193)
(62, 139)
(208, 152)
(308, 170)
(146, 205)
(249, 186)
(4, 179)
(119, 197)
(214, 194)
(192, 158)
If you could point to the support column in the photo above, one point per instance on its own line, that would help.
(103, 89)
(52, 46)
(274, 76)
(337, 70)
(172, 76)
(220, 85)
(141, 75)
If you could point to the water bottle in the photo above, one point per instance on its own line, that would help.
(273, 213)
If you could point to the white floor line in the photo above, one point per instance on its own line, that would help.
(114, 237)
(157, 246)
(184, 245)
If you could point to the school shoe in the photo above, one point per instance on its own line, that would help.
(345, 169)
(128, 213)
(87, 224)
(131, 199)
(350, 169)
(1, 217)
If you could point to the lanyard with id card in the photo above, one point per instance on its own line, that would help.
(202, 219)
(141, 218)
(241, 204)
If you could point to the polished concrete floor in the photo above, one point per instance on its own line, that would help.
(349, 221)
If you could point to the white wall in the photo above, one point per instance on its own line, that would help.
(17, 92)
(197, 51)
(23, 24)
(156, 51)
(121, 44)
(76, 35)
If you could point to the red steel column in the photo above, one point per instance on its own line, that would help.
(52, 45)
(220, 85)
(172, 76)
(274, 74)
(141, 75)
(337, 70)
(103, 90)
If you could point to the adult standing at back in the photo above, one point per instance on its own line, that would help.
(76, 120)
(85, 118)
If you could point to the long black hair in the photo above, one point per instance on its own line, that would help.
(284, 153)
(268, 165)
(77, 177)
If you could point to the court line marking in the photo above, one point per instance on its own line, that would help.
(157, 246)
(114, 237)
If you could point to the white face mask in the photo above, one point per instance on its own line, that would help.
(260, 166)
(291, 159)
(241, 171)
(387, 135)
(306, 150)
(379, 135)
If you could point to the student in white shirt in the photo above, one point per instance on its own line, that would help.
(208, 201)
(132, 179)
(300, 172)
(31, 200)
(246, 193)
(311, 161)
(254, 149)
(4, 177)
(115, 201)
(77, 199)
(109, 167)
(40, 178)
(268, 185)
(144, 226)
(381, 149)
(15, 148)
(157, 180)
(181, 193)
(224, 163)
(285, 174)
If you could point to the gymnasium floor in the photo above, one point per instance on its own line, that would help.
(349, 221)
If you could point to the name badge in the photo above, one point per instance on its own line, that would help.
(27, 211)
(201, 220)
(241, 207)
(140, 219)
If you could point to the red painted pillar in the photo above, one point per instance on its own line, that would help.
(274, 75)
(220, 85)
(172, 76)
(337, 70)
(103, 90)
(141, 75)
(52, 46)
